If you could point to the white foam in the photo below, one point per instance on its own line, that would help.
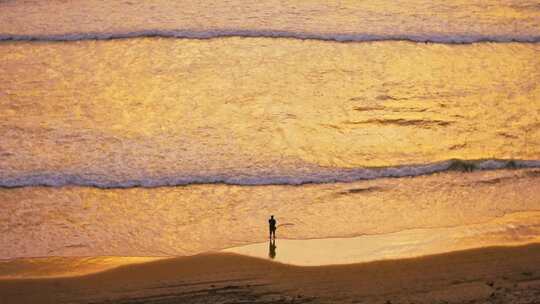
(245, 177)
(209, 34)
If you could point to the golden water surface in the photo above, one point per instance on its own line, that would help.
(257, 109)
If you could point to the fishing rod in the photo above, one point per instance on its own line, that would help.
(285, 224)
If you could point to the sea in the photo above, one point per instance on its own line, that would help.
(172, 128)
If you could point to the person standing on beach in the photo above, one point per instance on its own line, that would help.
(272, 225)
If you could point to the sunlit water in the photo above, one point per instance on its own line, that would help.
(246, 110)
(161, 146)
(186, 220)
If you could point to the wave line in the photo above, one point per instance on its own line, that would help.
(227, 33)
(319, 176)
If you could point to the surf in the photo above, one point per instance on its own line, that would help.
(317, 175)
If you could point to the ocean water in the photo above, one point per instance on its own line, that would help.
(165, 129)
(156, 111)
(164, 221)
(417, 20)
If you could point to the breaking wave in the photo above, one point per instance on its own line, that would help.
(221, 33)
(314, 175)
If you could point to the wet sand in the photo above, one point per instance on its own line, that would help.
(515, 229)
(489, 275)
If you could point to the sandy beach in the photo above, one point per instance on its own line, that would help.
(488, 275)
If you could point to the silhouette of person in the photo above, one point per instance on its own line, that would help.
(272, 249)
(272, 225)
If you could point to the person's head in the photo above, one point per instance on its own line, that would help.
(271, 216)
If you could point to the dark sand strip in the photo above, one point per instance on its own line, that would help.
(494, 275)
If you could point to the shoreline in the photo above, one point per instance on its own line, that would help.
(510, 230)
(497, 273)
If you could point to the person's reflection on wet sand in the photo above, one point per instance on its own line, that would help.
(272, 249)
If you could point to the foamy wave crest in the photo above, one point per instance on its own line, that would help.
(221, 33)
(301, 176)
